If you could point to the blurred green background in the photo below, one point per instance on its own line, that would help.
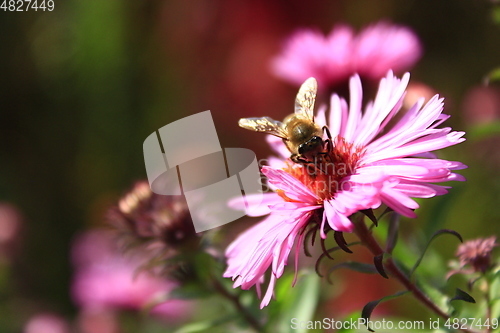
(82, 86)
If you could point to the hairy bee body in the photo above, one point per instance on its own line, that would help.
(304, 138)
(301, 135)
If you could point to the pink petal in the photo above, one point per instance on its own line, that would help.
(336, 220)
(293, 188)
(255, 204)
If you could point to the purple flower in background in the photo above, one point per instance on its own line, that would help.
(107, 279)
(11, 223)
(477, 253)
(46, 323)
(334, 58)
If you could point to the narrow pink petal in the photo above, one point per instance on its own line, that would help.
(416, 122)
(298, 244)
(267, 244)
(273, 162)
(322, 227)
(320, 117)
(416, 190)
(294, 206)
(433, 163)
(433, 143)
(425, 155)
(392, 168)
(269, 293)
(358, 197)
(336, 116)
(258, 289)
(387, 103)
(399, 202)
(337, 221)
(355, 100)
(255, 204)
(293, 188)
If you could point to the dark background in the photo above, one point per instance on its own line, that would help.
(82, 86)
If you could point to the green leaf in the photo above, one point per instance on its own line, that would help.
(495, 14)
(434, 236)
(494, 283)
(436, 294)
(204, 326)
(354, 317)
(494, 75)
(392, 232)
(495, 295)
(300, 303)
(190, 291)
(354, 266)
(370, 306)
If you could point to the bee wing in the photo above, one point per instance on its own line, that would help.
(264, 124)
(304, 102)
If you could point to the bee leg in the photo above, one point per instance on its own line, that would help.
(327, 131)
(298, 159)
(328, 142)
(311, 167)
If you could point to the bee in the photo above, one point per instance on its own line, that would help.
(301, 135)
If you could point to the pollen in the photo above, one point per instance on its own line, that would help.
(327, 174)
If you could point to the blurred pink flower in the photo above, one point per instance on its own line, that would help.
(96, 320)
(481, 105)
(477, 253)
(415, 91)
(106, 278)
(370, 164)
(335, 57)
(474, 256)
(158, 224)
(11, 223)
(46, 323)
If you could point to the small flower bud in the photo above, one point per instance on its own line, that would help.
(149, 217)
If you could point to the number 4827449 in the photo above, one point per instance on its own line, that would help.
(27, 5)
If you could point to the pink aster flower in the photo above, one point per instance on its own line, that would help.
(371, 164)
(334, 58)
(107, 279)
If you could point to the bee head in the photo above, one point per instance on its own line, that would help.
(311, 147)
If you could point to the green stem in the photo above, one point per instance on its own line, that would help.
(367, 239)
(254, 323)
(488, 306)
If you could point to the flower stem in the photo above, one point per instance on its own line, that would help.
(488, 306)
(236, 302)
(367, 239)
